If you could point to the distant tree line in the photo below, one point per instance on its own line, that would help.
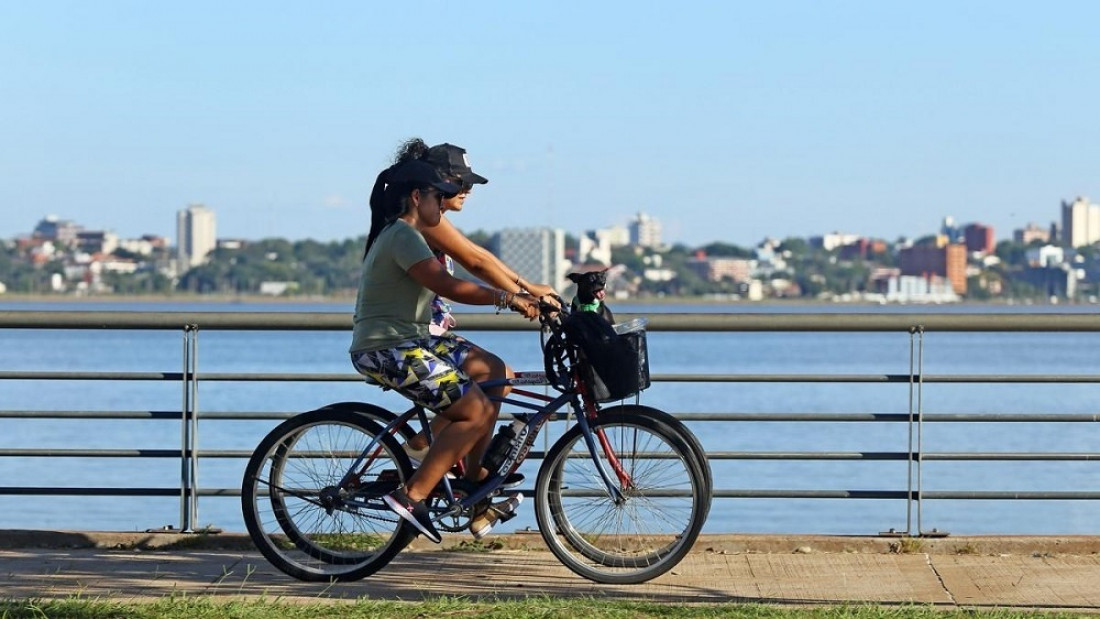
(324, 268)
(314, 267)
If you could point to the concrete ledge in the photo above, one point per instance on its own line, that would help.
(961, 545)
(522, 540)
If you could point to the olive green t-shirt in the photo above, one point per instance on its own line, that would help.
(391, 307)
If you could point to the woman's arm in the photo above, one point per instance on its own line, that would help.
(431, 274)
(480, 262)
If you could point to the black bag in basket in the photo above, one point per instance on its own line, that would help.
(616, 365)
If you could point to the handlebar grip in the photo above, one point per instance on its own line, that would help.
(546, 307)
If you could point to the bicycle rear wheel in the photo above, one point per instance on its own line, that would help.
(375, 413)
(303, 519)
(643, 535)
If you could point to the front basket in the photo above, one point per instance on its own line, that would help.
(619, 369)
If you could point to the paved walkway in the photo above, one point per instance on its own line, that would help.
(717, 571)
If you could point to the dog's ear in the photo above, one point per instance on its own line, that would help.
(576, 278)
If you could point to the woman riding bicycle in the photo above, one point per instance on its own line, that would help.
(392, 345)
(450, 246)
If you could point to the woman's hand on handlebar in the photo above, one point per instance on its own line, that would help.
(541, 290)
(552, 300)
(550, 305)
(527, 305)
(551, 312)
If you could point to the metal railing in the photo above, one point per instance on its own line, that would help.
(190, 325)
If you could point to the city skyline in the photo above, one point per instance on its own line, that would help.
(642, 228)
(942, 267)
(721, 119)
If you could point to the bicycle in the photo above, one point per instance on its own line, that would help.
(620, 497)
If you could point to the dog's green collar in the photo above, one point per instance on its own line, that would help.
(590, 307)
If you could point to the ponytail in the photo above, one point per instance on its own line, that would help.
(411, 150)
(389, 199)
(385, 206)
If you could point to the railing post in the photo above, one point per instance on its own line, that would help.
(920, 428)
(193, 456)
(916, 420)
(189, 429)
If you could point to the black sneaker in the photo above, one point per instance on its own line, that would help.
(415, 512)
(513, 480)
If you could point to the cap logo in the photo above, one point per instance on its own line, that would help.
(465, 161)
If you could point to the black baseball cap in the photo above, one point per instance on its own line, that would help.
(451, 162)
(417, 172)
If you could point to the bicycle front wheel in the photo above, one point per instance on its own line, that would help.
(307, 516)
(645, 530)
(676, 427)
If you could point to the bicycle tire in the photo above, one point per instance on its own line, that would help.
(296, 516)
(702, 472)
(698, 465)
(376, 413)
(640, 538)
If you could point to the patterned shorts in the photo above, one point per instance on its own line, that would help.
(428, 371)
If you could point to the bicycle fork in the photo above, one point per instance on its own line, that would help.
(622, 479)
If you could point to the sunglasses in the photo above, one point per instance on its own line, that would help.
(439, 195)
(464, 187)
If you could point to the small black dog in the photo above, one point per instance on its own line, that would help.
(590, 293)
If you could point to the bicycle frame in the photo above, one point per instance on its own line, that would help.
(541, 414)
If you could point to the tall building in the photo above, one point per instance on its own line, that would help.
(645, 231)
(979, 238)
(536, 254)
(1080, 222)
(195, 235)
(948, 261)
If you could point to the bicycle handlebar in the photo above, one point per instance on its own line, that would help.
(557, 359)
(548, 312)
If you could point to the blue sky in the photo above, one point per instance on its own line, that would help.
(728, 121)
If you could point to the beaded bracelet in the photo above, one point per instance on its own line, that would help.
(504, 300)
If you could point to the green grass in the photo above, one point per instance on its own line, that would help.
(348, 541)
(536, 607)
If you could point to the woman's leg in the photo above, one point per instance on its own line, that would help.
(469, 419)
(481, 365)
